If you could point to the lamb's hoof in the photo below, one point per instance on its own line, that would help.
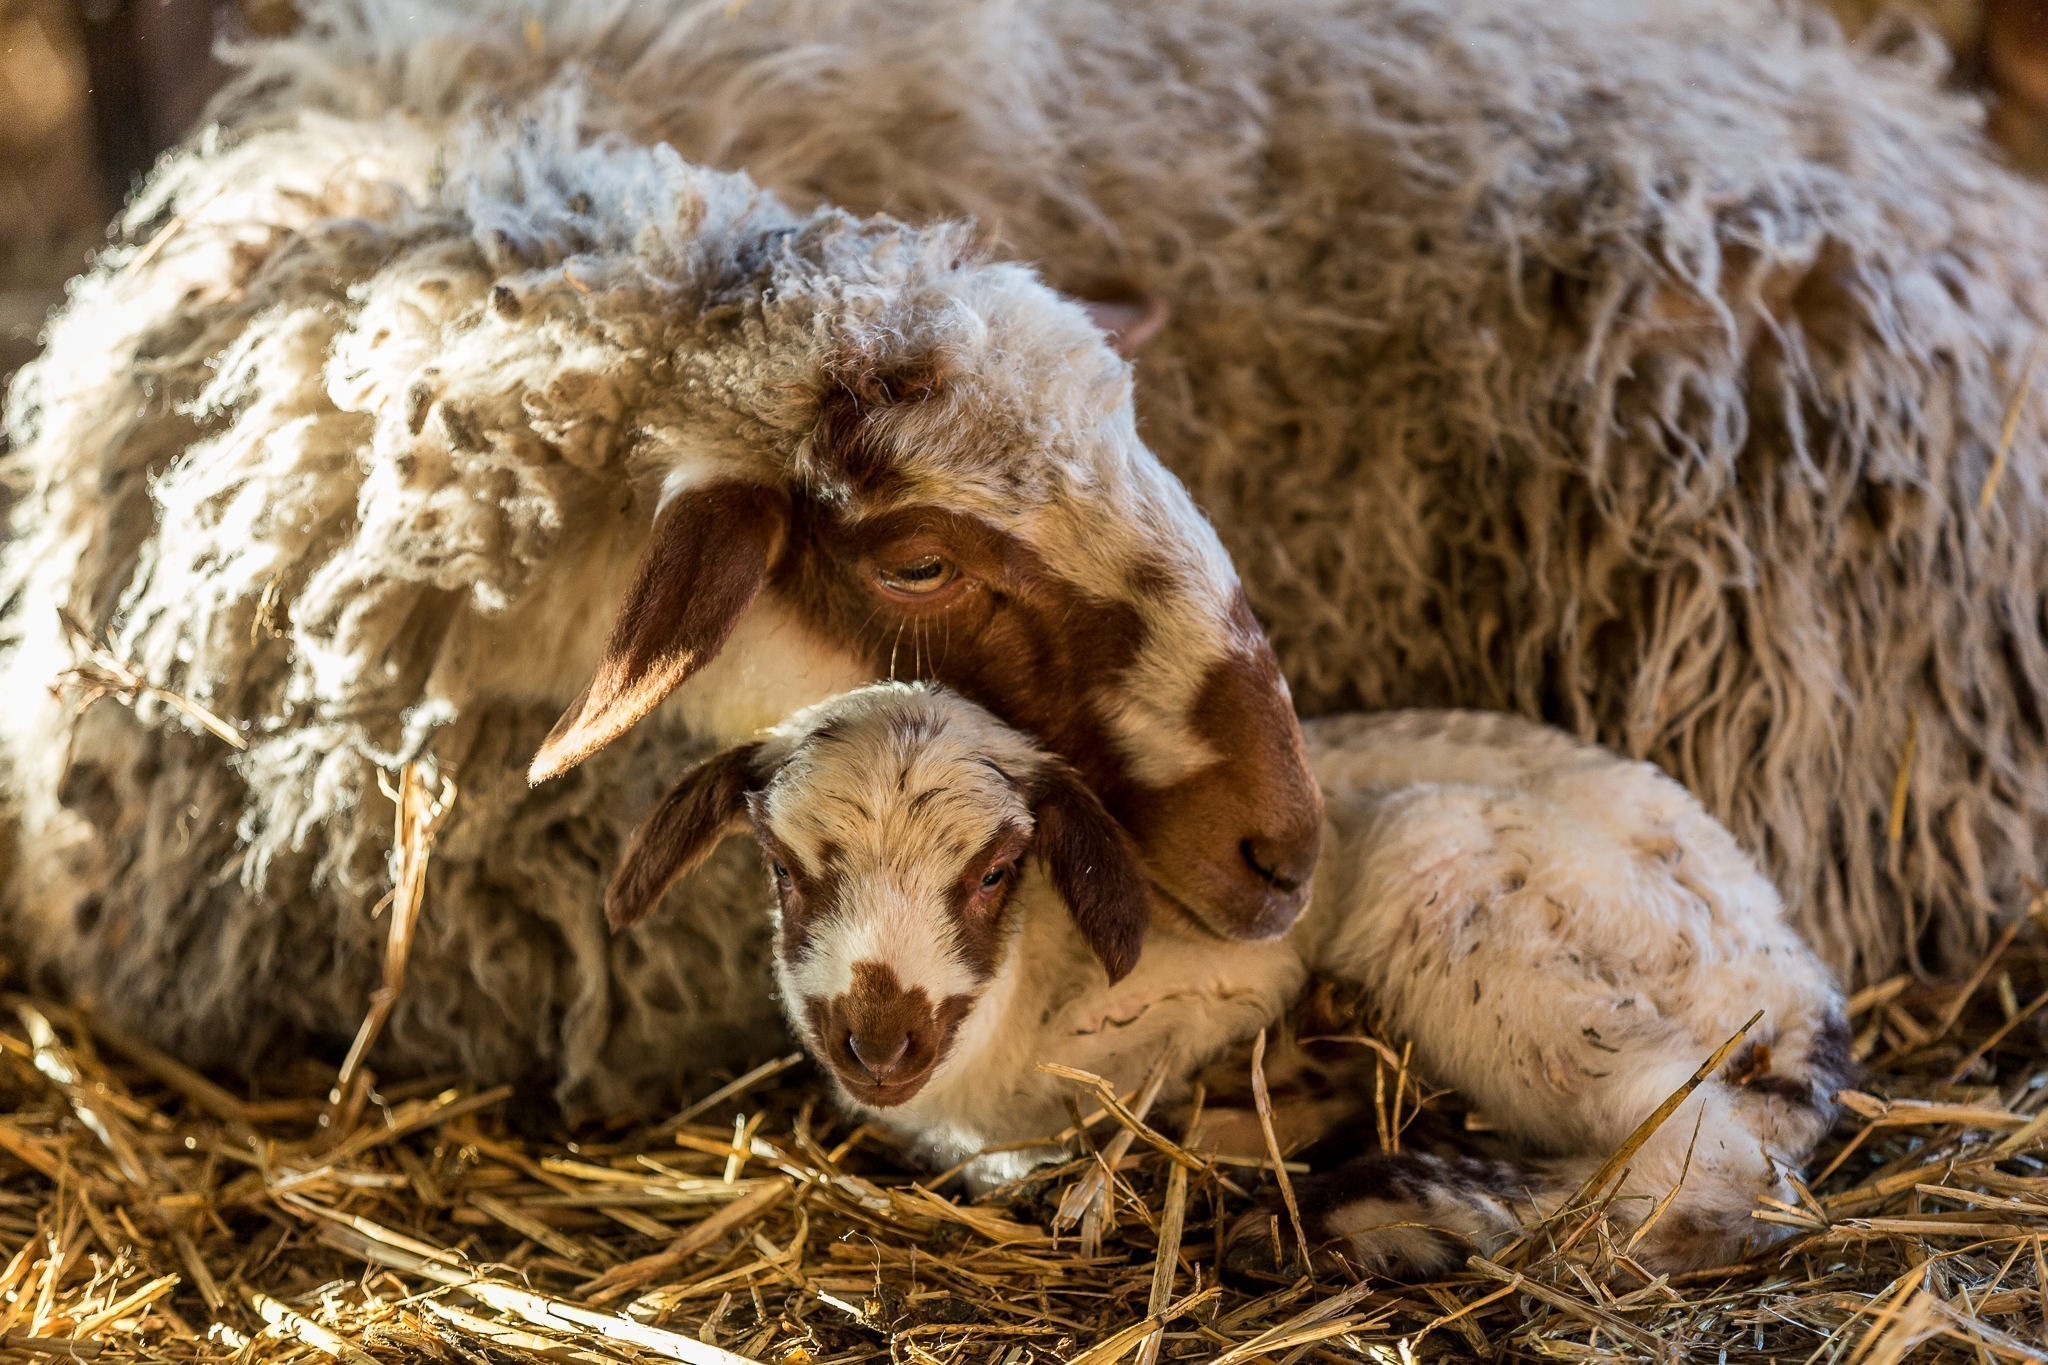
(1257, 1247)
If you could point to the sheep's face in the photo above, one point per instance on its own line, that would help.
(965, 499)
(897, 822)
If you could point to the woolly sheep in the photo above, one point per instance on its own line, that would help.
(1636, 367)
(359, 449)
(1566, 936)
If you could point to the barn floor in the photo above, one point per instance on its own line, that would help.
(154, 1215)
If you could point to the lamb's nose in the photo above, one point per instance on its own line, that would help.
(881, 1056)
(1283, 864)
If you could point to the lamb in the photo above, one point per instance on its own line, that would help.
(355, 446)
(1639, 368)
(1565, 936)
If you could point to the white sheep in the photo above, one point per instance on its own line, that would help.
(369, 431)
(1641, 367)
(1564, 935)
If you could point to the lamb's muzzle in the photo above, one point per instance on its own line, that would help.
(880, 1039)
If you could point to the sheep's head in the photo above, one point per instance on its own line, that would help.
(956, 491)
(897, 821)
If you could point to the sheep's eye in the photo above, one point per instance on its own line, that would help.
(781, 873)
(917, 577)
(994, 878)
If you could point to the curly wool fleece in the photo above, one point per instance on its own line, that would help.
(1640, 372)
(344, 454)
(1637, 368)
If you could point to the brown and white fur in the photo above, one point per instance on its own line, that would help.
(387, 421)
(1566, 936)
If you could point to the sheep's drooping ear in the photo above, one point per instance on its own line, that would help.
(703, 565)
(1129, 321)
(1094, 867)
(697, 815)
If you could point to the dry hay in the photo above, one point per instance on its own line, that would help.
(147, 1213)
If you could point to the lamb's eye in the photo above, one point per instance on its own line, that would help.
(781, 872)
(994, 878)
(917, 577)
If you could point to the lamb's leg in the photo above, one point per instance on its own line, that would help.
(1407, 1215)
(1410, 1215)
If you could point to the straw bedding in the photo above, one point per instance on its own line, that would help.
(146, 1213)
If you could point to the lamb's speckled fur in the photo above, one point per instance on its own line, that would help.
(1634, 367)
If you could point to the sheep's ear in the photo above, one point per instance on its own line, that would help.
(1094, 867)
(699, 813)
(703, 565)
(1129, 321)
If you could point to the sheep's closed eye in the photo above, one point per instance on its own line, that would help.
(920, 576)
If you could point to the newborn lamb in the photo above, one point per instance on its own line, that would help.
(1564, 935)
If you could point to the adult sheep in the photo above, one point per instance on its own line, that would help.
(359, 445)
(1636, 367)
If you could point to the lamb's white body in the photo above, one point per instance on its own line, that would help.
(1564, 935)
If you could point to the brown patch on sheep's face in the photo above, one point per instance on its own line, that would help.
(991, 521)
(1242, 710)
(928, 593)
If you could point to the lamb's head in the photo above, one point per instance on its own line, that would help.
(938, 473)
(898, 821)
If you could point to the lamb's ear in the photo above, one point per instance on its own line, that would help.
(703, 565)
(1094, 867)
(698, 814)
(1129, 321)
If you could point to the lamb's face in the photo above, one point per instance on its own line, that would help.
(964, 498)
(897, 821)
(895, 830)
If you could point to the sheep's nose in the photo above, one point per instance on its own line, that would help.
(880, 1055)
(1283, 864)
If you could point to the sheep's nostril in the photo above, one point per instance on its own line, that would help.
(879, 1057)
(1281, 867)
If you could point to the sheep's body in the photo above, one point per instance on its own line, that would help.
(1636, 369)
(360, 451)
(1566, 936)
(310, 483)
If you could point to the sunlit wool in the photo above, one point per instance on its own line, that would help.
(356, 448)
(1638, 367)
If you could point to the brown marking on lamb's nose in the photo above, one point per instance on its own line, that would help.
(877, 1055)
(881, 1040)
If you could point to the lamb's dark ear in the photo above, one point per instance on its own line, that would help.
(1094, 867)
(703, 565)
(697, 815)
(1129, 321)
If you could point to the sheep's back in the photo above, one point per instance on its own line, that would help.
(1638, 371)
